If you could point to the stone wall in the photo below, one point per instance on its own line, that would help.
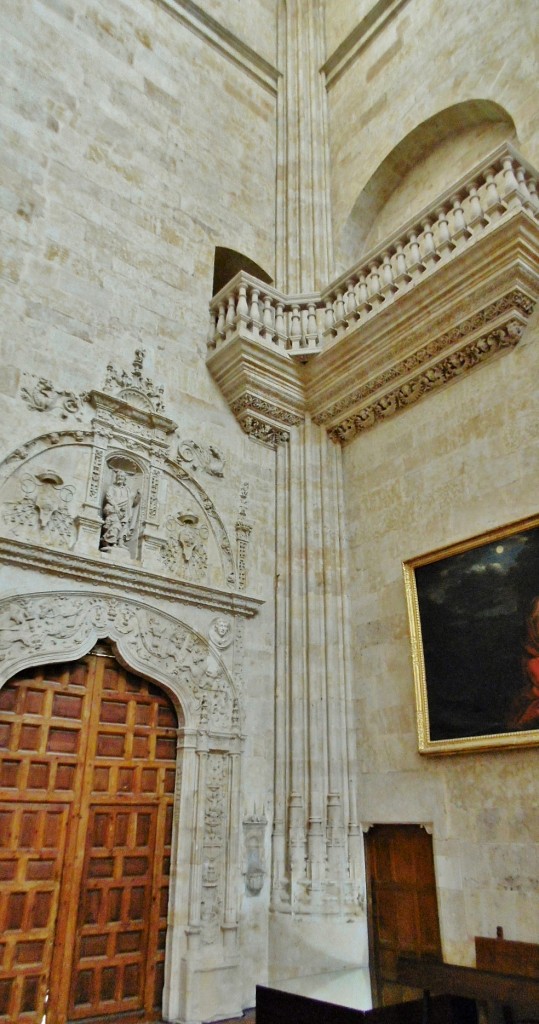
(452, 467)
(426, 58)
(135, 141)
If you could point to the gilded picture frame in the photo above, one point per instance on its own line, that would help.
(473, 610)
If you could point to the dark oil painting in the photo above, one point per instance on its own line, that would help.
(479, 621)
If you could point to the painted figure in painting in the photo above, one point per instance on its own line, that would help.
(525, 711)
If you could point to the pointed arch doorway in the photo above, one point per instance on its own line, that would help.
(87, 779)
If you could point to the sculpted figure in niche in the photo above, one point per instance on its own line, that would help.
(120, 511)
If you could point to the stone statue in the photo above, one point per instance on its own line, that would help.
(120, 511)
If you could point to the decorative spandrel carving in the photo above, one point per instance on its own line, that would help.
(209, 458)
(185, 552)
(42, 513)
(121, 506)
(41, 396)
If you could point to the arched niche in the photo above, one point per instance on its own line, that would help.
(228, 263)
(434, 153)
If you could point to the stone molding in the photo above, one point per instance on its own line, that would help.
(64, 564)
(347, 52)
(226, 42)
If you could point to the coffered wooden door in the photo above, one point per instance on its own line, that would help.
(403, 908)
(87, 775)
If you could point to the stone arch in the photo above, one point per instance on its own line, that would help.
(436, 151)
(42, 628)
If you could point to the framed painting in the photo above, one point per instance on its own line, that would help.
(474, 624)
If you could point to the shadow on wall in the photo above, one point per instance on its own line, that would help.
(228, 263)
(436, 152)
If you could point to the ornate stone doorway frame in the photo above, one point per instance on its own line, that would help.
(202, 963)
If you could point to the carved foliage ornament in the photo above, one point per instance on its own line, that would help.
(436, 376)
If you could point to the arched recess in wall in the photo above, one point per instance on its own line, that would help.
(435, 153)
(228, 263)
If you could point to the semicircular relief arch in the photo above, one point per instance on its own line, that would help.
(43, 628)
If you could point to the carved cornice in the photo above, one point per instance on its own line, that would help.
(100, 573)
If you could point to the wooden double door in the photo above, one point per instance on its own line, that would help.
(87, 776)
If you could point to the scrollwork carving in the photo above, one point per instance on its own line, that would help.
(451, 366)
(41, 395)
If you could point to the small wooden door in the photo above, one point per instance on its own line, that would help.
(87, 775)
(403, 909)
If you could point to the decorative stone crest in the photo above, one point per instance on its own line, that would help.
(134, 388)
(43, 511)
(185, 553)
(267, 433)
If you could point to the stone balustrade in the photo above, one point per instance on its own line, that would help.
(292, 324)
(302, 325)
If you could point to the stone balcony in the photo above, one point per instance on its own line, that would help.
(453, 287)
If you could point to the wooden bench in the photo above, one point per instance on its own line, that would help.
(515, 996)
(276, 1007)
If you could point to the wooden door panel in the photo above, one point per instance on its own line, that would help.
(31, 850)
(403, 907)
(93, 738)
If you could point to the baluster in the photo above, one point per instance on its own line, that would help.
(280, 326)
(445, 245)
(532, 189)
(295, 328)
(363, 304)
(211, 339)
(494, 207)
(511, 195)
(388, 284)
(221, 320)
(375, 295)
(339, 307)
(329, 318)
(312, 326)
(230, 318)
(461, 232)
(351, 302)
(267, 319)
(242, 309)
(476, 217)
(429, 248)
(415, 263)
(402, 276)
(254, 311)
(523, 189)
